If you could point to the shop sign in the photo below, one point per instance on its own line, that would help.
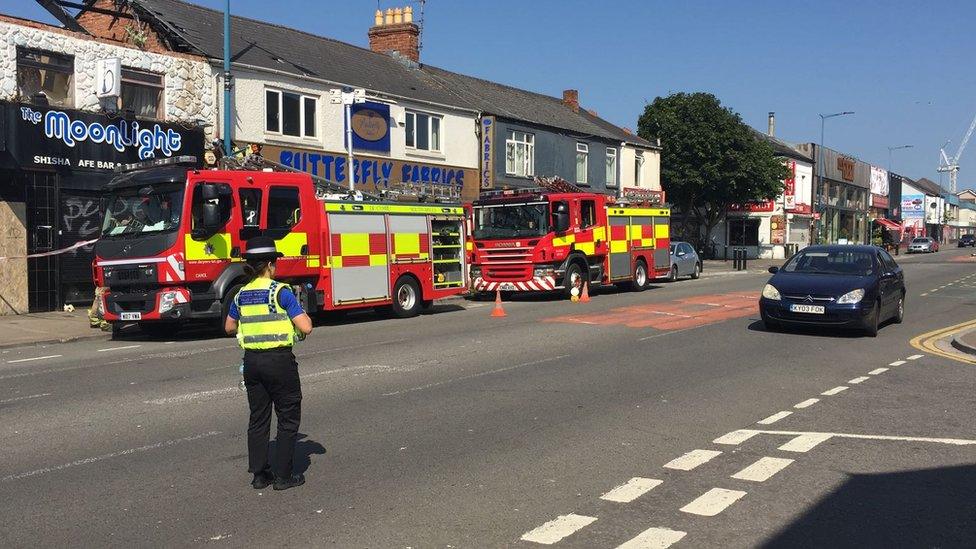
(846, 168)
(371, 127)
(488, 152)
(753, 207)
(879, 181)
(879, 201)
(789, 187)
(777, 229)
(913, 206)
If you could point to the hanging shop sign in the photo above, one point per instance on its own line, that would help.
(879, 181)
(371, 127)
(789, 187)
(488, 152)
(777, 229)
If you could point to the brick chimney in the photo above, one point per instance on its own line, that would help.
(395, 31)
(571, 99)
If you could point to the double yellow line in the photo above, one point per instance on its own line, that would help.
(926, 342)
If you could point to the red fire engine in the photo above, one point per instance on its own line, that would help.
(170, 249)
(557, 236)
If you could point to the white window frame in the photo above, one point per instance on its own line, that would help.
(430, 131)
(527, 144)
(584, 149)
(639, 169)
(611, 167)
(302, 97)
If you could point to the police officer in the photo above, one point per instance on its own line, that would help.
(267, 319)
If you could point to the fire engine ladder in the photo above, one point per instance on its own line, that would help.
(559, 185)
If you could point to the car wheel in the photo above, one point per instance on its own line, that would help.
(639, 283)
(673, 275)
(871, 329)
(696, 274)
(900, 310)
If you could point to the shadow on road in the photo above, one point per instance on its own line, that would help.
(304, 450)
(922, 508)
(801, 330)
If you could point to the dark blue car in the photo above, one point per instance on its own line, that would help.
(841, 286)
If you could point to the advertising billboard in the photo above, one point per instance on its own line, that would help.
(913, 206)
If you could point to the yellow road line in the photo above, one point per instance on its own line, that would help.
(926, 341)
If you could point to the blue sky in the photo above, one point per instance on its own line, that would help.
(906, 68)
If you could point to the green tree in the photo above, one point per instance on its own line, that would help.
(710, 158)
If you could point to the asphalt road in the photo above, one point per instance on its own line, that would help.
(553, 425)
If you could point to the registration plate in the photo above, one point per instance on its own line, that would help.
(130, 316)
(506, 287)
(810, 309)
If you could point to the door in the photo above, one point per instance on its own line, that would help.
(889, 283)
(685, 260)
(41, 191)
(80, 221)
(289, 227)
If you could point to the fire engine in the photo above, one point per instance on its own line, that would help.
(559, 236)
(170, 249)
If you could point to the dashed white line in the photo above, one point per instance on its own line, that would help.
(806, 403)
(631, 490)
(877, 371)
(654, 538)
(713, 502)
(805, 442)
(33, 358)
(118, 348)
(29, 397)
(834, 391)
(558, 528)
(692, 459)
(915, 357)
(860, 379)
(736, 437)
(774, 418)
(763, 469)
(897, 363)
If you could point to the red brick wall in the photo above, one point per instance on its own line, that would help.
(401, 37)
(114, 28)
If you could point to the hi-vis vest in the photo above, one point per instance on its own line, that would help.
(263, 323)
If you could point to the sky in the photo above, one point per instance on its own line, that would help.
(906, 68)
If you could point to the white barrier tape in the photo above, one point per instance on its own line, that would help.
(74, 246)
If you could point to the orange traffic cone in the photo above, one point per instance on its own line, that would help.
(498, 311)
(585, 297)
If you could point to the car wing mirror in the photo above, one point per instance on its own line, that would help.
(773, 270)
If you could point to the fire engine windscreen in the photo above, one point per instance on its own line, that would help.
(141, 210)
(511, 220)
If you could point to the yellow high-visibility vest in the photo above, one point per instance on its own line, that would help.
(263, 323)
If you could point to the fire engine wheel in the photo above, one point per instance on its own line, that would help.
(573, 279)
(225, 307)
(406, 298)
(639, 283)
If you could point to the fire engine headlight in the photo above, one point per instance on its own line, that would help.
(770, 292)
(167, 300)
(542, 272)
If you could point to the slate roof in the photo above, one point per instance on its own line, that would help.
(296, 52)
(783, 148)
(928, 186)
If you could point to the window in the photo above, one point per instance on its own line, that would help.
(197, 206)
(743, 232)
(284, 209)
(250, 207)
(582, 162)
(290, 113)
(611, 167)
(423, 131)
(639, 169)
(46, 77)
(587, 213)
(142, 93)
(520, 154)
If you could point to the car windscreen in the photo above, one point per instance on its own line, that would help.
(920, 241)
(836, 262)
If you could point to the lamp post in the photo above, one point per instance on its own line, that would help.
(820, 169)
(227, 80)
(890, 149)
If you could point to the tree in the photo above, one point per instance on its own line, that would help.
(710, 159)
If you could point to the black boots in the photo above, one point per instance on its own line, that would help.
(291, 482)
(262, 479)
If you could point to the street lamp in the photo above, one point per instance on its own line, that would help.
(895, 149)
(821, 167)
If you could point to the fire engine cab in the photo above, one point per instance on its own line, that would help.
(170, 249)
(559, 236)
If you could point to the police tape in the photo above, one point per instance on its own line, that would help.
(74, 246)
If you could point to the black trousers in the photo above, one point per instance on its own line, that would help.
(271, 377)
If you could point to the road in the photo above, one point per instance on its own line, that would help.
(640, 420)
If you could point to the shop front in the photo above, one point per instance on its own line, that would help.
(843, 200)
(53, 165)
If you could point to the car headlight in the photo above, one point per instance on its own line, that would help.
(166, 301)
(851, 297)
(770, 292)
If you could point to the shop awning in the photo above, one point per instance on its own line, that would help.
(888, 224)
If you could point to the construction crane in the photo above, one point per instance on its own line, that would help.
(951, 165)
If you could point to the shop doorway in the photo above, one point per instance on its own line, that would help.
(41, 193)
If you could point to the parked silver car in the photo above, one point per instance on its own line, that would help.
(923, 245)
(684, 261)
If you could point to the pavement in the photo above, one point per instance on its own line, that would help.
(663, 418)
(47, 328)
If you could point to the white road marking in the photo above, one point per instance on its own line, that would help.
(118, 348)
(763, 469)
(915, 357)
(633, 489)
(877, 371)
(479, 374)
(191, 396)
(713, 502)
(32, 359)
(804, 443)
(103, 457)
(897, 363)
(29, 397)
(804, 440)
(692, 459)
(834, 391)
(857, 380)
(774, 418)
(557, 529)
(806, 403)
(736, 437)
(933, 290)
(925, 294)
(654, 538)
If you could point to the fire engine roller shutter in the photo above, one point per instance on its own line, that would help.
(359, 260)
(662, 252)
(410, 238)
(619, 246)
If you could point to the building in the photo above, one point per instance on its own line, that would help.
(936, 213)
(65, 129)
(841, 196)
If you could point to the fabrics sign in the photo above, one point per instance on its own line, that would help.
(487, 152)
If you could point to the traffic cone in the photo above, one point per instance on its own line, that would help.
(585, 298)
(498, 311)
